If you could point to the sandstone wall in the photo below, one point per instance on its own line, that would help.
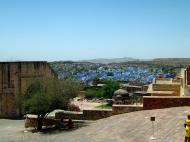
(187, 75)
(75, 116)
(15, 77)
(153, 102)
(96, 114)
(99, 114)
(167, 87)
(119, 109)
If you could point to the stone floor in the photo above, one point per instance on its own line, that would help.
(131, 127)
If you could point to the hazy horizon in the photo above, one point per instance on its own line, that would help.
(85, 59)
(83, 30)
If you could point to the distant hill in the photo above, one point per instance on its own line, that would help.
(108, 61)
(157, 61)
(172, 61)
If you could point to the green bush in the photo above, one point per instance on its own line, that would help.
(93, 93)
(109, 89)
(105, 106)
(106, 91)
(47, 94)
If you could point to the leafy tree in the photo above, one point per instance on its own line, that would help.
(167, 69)
(71, 87)
(181, 66)
(106, 91)
(109, 89)
(96, 80)
(93, 93)
(48, 94)
(110, 74)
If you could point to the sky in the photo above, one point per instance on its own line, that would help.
(87, 29)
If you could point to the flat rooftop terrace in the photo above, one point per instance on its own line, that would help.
(129, 127)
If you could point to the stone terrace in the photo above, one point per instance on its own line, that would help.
(129, 127)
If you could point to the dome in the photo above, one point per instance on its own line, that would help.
(120, 92)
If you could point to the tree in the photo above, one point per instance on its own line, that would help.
(71, 87)
(109, 89)
(96, 80)
(110, 74)
(93, 93)
(48, 94)
(167, 69)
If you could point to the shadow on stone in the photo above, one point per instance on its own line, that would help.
(57, 129)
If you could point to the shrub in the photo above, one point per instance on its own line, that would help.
(109, 89)
(47, 94)
(92, 93)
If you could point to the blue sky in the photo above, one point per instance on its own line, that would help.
(87, 29)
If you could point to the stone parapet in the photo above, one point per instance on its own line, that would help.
(160, 102)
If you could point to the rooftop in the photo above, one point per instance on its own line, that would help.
(129, 127)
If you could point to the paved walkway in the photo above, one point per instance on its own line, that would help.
(131, 127)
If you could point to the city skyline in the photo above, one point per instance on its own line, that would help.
(81, 30)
